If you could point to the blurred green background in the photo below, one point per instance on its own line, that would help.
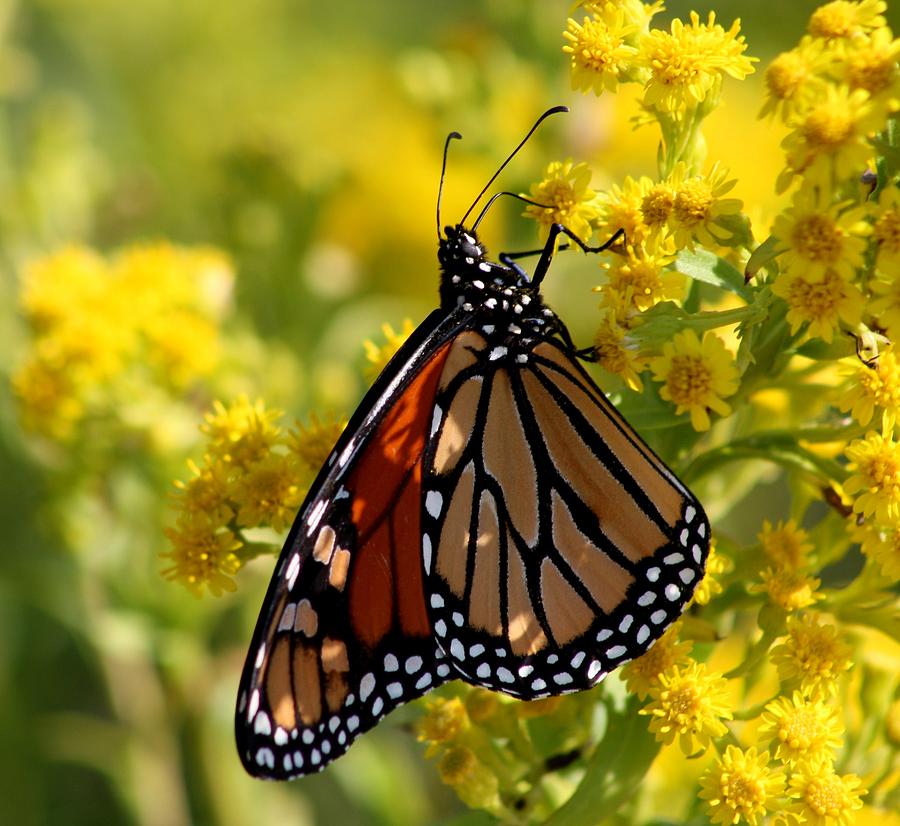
(303, 139)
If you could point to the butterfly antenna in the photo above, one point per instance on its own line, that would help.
(450, 137)
(515, 195)
(513, 154)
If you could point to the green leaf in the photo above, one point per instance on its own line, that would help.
(702, 265)
(615, 770)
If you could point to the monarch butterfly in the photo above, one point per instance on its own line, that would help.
(486, 515)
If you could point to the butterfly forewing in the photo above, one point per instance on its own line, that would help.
(559, 546)
(347, 636)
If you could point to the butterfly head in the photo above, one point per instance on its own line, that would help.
(459, 247)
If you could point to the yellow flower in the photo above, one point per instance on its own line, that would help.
(312, 443)
(872, 64)
(696, 375)
(643, 673)
(266, 493)
(892, 723)
(657, 205)
(377, 355)
(843, 18)
(886, 232)
(740, 786)
(565, 189)
(475, 784)
(789, 590)
(615, 354)
(620, 208)
(688, 704)
(825, 798)
(598, 50)
(829, 141)
(203, 554)
(688, 62)
(710, 586)
(50, 402)
(793, 80)
(786, 545)
(700, 213)
(443, 722)
(823, 303)
(182, 345)
(874, 385)
(642, 279)
(53, 286)
(637, 13)
(815, 237)
(876, 480)
(207, 490)
(883, 547)
(242, 433)
(803, 731)
(811, 656)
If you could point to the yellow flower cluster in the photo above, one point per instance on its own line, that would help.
(681, 71)
(142, 323)
(254, 475)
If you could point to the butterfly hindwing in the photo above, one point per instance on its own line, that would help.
(347, 636)
(557, 545)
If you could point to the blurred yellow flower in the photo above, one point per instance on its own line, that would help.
(741, 787)
(843, 18)
(696, 375)
(313, 443)
(567, 197)
(378, 355)
(688, 704)
(710, 586)
(444, 720)
(882, 546)
(802, 730)
(794, 79)
(871, 64)
(787, 545)
(476, 785)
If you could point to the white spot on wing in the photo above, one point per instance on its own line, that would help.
(433, 503)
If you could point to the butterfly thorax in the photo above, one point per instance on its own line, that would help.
(506, 306)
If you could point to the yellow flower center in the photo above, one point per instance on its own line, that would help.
(800, 729)
(743, 791)
(887, 231)
(817, 238)
(785, 75)
(833, 20)
(818, 299)
(689, 380)
(826, 796)
(827, 127)
(693, 202)
(594, 46)
(657, 204)
(457, 765)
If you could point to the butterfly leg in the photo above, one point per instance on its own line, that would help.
(550, 248)
(510, 258)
